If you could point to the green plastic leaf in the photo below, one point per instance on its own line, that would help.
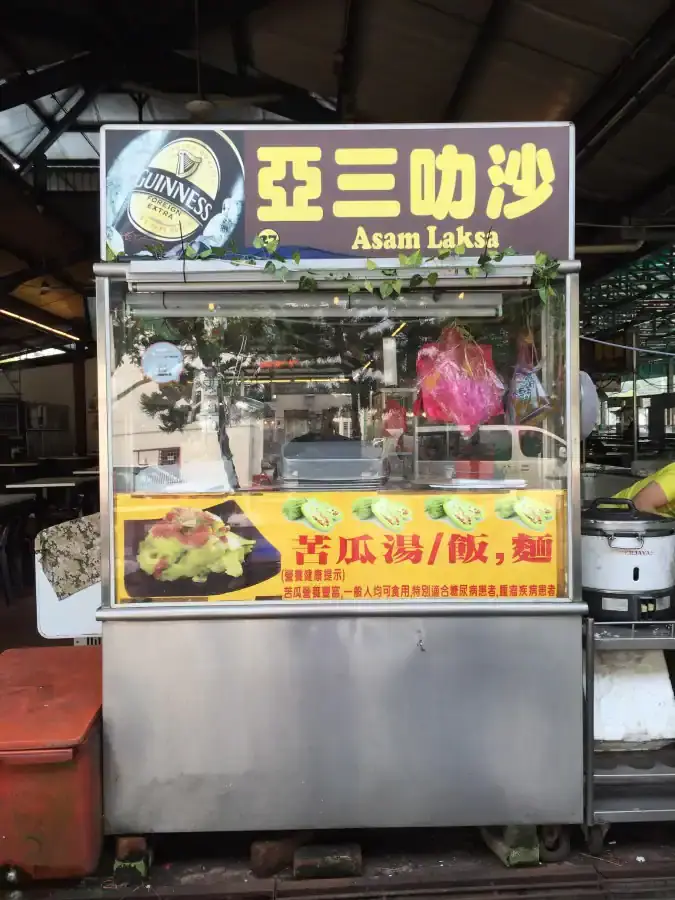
(368, 285)
(432, 278)
(474, 271)
(510, 252)
(307, 283)
(543, 294)
(540, 258)
(386, 289)
(370, 264)
(415, 281)
(205, 254)
(460, 249)
(415, 259)
(403, 259)
(110, 255)
(444, 254)
(257, 242)
(353, 288)
(270, 268)
(296, 257)
(397, 286)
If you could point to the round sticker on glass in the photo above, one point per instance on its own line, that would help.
(163, 362)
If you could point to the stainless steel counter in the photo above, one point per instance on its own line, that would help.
(223, 723)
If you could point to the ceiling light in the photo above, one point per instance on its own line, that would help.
(65, 334)
(35, 354)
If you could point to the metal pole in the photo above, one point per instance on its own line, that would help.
(636, 430)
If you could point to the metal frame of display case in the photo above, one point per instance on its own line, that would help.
(414, 694)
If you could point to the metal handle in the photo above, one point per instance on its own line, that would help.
(613, 502)
(634, 537)
(36, 757)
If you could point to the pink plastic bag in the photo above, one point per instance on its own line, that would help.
(457, 382)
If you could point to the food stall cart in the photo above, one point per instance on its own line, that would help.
(303, 627)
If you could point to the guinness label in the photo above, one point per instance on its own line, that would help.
(175, 194)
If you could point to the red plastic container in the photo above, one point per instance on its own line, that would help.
(51, 817)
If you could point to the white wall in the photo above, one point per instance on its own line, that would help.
(54, 384)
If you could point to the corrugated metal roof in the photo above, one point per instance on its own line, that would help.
(605, 64)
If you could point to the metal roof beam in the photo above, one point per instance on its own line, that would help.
(482, 46)
(16, 58)
(651, 191)
(348, 79)
(173, 73)
(628, 88)
(58, 128)
(24, 89)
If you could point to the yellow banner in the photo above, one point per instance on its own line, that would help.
(339, 546)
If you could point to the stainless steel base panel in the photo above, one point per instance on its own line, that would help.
(237, 724)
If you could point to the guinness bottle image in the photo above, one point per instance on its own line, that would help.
(174, 189)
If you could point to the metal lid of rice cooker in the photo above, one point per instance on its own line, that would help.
(616, 516)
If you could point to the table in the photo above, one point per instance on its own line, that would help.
(94, 473)
(58, 481)
(15, 500)
(72, 458)
(17, 465)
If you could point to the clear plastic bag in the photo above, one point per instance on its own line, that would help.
(527, 402)
(457, 381)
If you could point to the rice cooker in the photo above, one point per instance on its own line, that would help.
(627, 562)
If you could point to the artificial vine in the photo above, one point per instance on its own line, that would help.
(395, 284)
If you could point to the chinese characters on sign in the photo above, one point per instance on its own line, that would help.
(403, 548)
(329, 583)
(346, 192)
(440, 186)
(385, 191)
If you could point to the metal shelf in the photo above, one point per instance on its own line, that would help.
(636, 808)
(635, 636)
(625, 774)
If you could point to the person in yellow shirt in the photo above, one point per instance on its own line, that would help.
(654, 494)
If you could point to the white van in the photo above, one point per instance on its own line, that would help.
(513, 452)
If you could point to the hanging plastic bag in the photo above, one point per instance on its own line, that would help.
(590, 404)
(527, 403)
(457, 381)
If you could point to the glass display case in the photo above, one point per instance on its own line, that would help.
(271, 448)
(325, 509)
